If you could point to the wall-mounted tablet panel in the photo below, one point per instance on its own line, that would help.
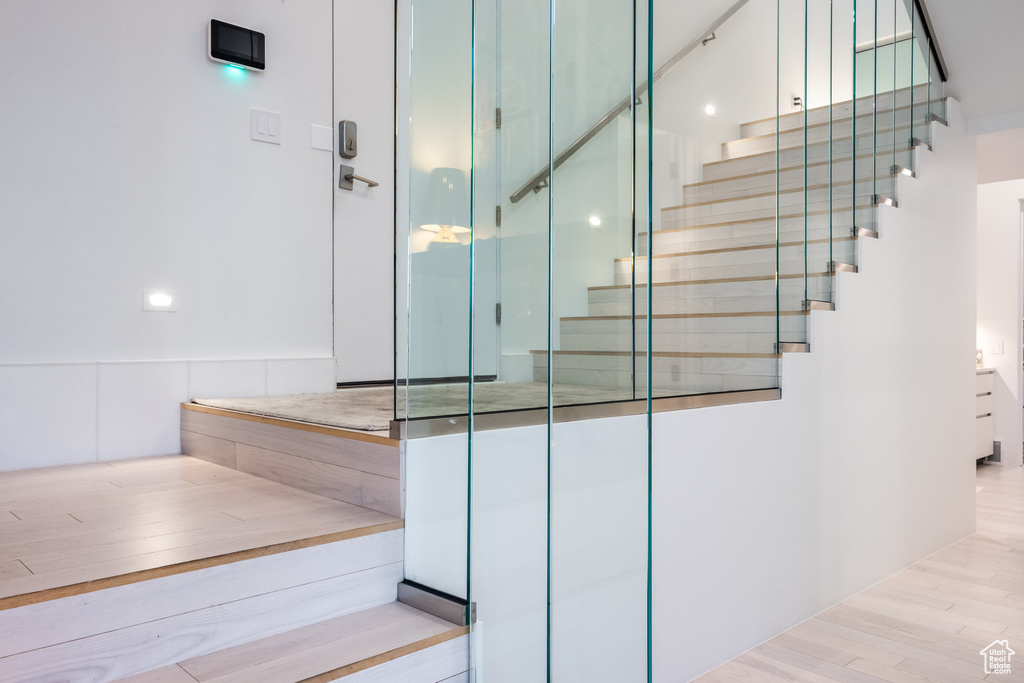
(235, 45)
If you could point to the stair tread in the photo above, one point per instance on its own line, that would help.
(89, 527)
(772, 193)
(729, 250)
(792, 148)
(661, 354)
(328, 650)
(710, 281)
(843, 159)
(825, 108)
(887, 111)
(683, 316)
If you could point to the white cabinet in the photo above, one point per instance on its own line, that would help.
(983, 407)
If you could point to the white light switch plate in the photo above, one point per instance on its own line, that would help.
(266, 126)
(321, 137)
(995, 347)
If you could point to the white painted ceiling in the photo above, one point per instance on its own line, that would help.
(983, 45)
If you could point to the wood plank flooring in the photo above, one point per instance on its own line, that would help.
(70, 530)
(927, 623)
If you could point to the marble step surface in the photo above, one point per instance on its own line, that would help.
(714, 296)
(673, 374)
(918, 98)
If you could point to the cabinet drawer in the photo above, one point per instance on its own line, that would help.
(986, 383)
(984, 405)
(983, 437)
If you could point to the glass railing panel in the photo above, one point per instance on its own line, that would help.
(713, 267)
(592, 203)
(843, 128)
(518, 46)
(903, 82)
(920, 108)
(437, 230)
(884, 143)
(822, 129)
(802, 208)
(509, 559)
(862, 148)
(599, 551)
(936, 88)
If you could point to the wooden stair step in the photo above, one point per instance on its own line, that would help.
(179, 558)
(365, 645)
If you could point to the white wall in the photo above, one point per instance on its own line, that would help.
(128, 166)
(765, 514)
(999, 305)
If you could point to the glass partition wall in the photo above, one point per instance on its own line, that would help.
(604, 206)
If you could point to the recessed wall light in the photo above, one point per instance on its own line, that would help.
(710, 110)
(595, 221)
(159, 300)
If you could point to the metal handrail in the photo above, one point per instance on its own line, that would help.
(929, 33)
(538, 181)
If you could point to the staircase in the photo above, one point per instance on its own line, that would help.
(273, 553)
(716, 257)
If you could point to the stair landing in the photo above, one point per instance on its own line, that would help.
(72, 530)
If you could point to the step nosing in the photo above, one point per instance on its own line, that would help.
(116, 580)
(712, 281)
(340, 673)
(794, 190)
(328, 430)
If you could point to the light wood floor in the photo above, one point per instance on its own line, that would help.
(69, 530)
(926, 624)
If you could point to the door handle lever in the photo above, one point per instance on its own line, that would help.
(346, 177)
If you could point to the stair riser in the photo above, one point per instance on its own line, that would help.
(820, 142)
(676, 274)
(618, 331)
(174, 618)
(817, 134)
(736, 297)
(842, 111)
(678, 242)
(670, 375)
(793, 178)
(763, 162)
(822, 205)
(665, 384)
(738, 259)
(689, 343)
(789, 203)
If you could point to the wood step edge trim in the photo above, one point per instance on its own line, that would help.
(658, 354)
(866, 98)
(81, 588)
(772, 193)
(925, 120)
(745, 221)
(917, 143)
(713, 281)
(684, 316)
(294, 424)
(835, 161)
(384, 657)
